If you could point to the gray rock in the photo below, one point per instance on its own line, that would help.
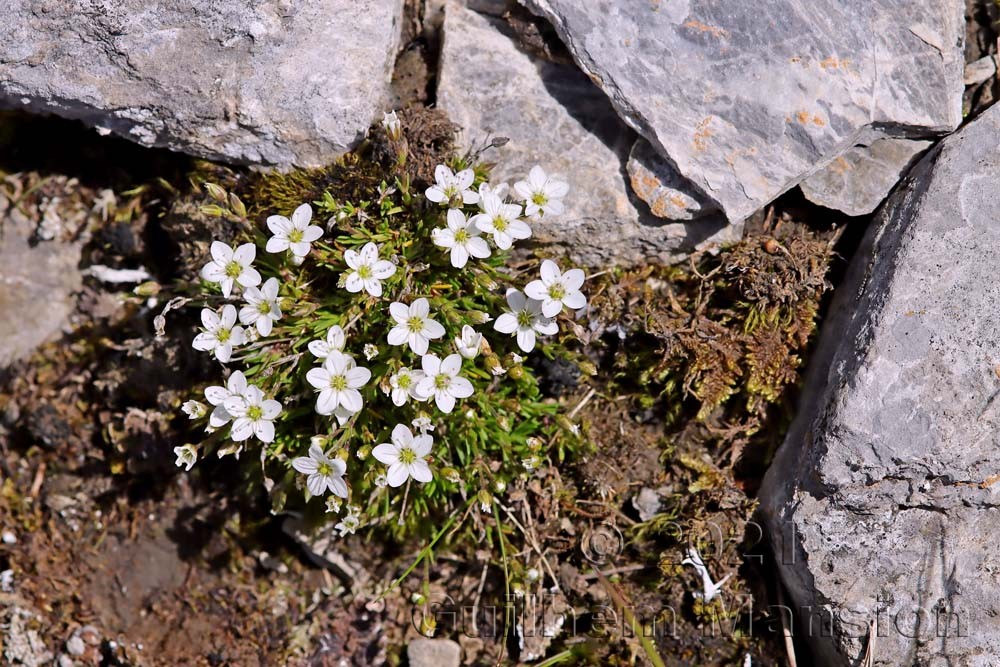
(746, 99)
(656, 182)
(860, 179)
(272, 82)
(554, 116)
(882, 502)
(980, 70)
(38, 279)
(434, 653)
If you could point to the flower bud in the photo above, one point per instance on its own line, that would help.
(363, 452)
(587, 368)
(485, 500)
(148, 288)
(517, 372)
(451, 475)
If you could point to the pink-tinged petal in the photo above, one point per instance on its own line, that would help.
(526, 339)
(461, 388)
(398, 335)
(351, 400)
(242, 429)
(399, 312)
(452, 364)
(396, 475)
(444, 401)
(264, 325)
(459, 257)
(279, 224)
(547, 327)
(338, 486)
(327, 401)
(421, 472)
(319, 348)
(420, 308)
(249, 277)
(264, 430)
(354, 283)
(550, 272)
(358, 377)
(221, 253)
(312, 233)
(383, 269)
(316, 484)
(478, 247)
(271, 408)
(318, 377)
(434, 194)
(300, 249)
(422, 445)
(204, 342)
(456, 220)
(237, 383)
(373, 287)
(515, 299)
(537, 290)
(551, 308)
(575, 300)
(224, 352)
(506, 323)
(537, 178)
(401, 435)
(554, 207)
(522, 189)
(386, 453)
(305, 465)
(432, 329)
(519, 229)
(442, 174)
(302, 215)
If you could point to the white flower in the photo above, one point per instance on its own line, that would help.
(452, 189)
(338, 382)
(501, 220)
(542, 194)
(413, 325)
(368, 271)
(370, 351)
(194, 409)
(468, 343)
(323, 472)
(557, 289)
(462, 237)
(217, 396)
(525, 319)
(443, 382)
(500, 190)
(350, 522)
(230, 265)
(333, 504)
(335, 341)
(406, 456)
(186, 455)
(404, 385)
(391, 125)
(295, 234)
(423, 423)
(262, 307)
(381, 480)
(516, 358)
(253, 415)
(220, 335)
(710, 589)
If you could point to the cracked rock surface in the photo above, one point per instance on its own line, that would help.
(882, 503)
(272, 82)
(747, 99)
(556, 117)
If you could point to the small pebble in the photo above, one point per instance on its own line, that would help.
(75, 645)
(9, 537)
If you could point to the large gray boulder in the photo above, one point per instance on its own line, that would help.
(272, 82)
(555, 117)
(746, 99)
(882, 503)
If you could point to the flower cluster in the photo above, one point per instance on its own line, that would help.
(379, 342)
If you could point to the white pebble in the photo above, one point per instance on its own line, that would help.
(9, 537)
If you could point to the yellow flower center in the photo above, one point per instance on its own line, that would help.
(233, 269)
(223, 335)
(338, 382)
(539, 199)
(415, 324)
(295, 235)
(255, 412)
(324, 469)
(407, 455)
(364, 272)
(557, 292)
(499, 224)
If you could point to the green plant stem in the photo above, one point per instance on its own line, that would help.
(507, 609)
